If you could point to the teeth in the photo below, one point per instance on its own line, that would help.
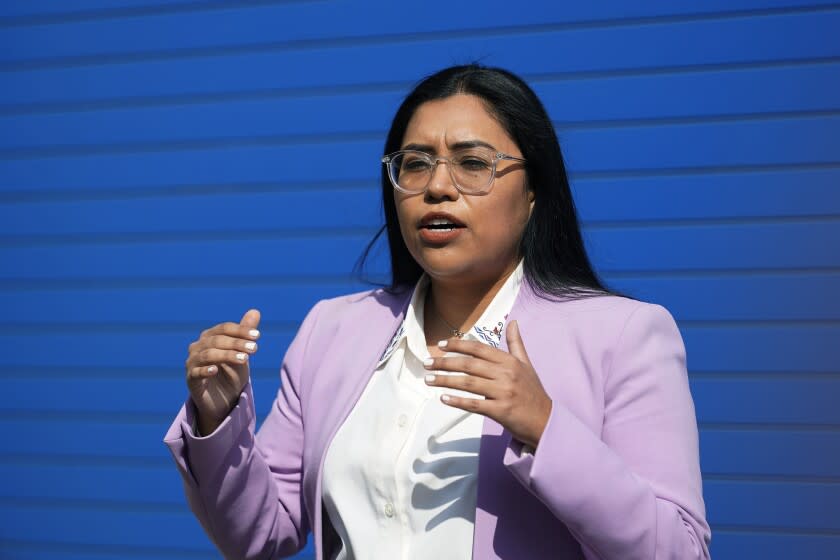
(439, 222)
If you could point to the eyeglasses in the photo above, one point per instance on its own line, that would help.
(472, 170)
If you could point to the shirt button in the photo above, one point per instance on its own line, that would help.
(389, 510)
(402, 420)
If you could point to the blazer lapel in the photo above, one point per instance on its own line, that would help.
(495, 484)
(351, 363)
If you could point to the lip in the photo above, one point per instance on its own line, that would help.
(436, 236)
(440, 216)
(439, 237)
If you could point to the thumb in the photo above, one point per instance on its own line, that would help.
(515, 343)
(251, 319)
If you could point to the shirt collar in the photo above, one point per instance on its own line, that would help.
(488, 329)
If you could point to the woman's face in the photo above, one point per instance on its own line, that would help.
(485, 246)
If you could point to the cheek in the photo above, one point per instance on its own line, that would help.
(506, 215)
(405, 217)
(501, 224)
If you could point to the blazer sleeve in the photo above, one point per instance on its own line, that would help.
(635, 490)
(246, 489)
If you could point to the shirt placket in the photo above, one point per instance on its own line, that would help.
(395, 457)
(410, 406)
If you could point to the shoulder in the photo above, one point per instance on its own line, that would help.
(630, 335)
(602, 327)
(344, 318)
(362, 303)
(599, 311)
(334, 316)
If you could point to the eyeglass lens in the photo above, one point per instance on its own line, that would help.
(471, 169)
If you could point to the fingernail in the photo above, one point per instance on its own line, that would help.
(443, 343)
(241, 356)
(428, 361)
(250, 345)
(444, 398)
(254, 332)
(430, 378)
(212, 369)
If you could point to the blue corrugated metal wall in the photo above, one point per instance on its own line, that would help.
(166, 165)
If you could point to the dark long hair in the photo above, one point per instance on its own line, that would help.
(555, 261)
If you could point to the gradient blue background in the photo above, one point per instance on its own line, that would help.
(165, 166)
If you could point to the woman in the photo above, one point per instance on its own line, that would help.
(552, 420)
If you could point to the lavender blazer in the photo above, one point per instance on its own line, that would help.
(616, 474)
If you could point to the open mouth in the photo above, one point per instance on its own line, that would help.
(441, 224)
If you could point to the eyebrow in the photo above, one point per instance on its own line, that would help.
(466, 144)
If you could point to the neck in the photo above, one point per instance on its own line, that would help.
(460, 304)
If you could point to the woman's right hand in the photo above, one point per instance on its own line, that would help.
(217, 368)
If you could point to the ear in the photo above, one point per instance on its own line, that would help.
(530, 194)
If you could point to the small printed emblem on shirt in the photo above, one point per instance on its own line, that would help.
(491, 335)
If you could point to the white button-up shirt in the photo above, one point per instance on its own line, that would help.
(401, 474)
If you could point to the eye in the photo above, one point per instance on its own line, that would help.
(473, 163)
(415, 163)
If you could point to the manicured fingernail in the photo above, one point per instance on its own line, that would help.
(254, 332)
(428, 361)
(443, 343)
(250, 345)
(212, 369)
(241, 356)
(444, 398)
(430, 378)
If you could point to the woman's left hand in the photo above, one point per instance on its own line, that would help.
(514, 396)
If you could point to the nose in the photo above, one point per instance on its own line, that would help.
(441, 184)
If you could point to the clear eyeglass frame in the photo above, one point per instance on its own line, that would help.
(496, 157)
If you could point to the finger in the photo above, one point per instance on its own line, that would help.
(202, 372)
(473, 348)
(515, 343)
(479, 406)
(224, 342)
(251, 319)
(218, 342)
(464, 364)
(235, 330)
(211, 356)
(468, 383)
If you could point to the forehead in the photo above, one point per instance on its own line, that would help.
(459, 118)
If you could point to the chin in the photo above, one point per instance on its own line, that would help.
(451, 267)
(443, 268)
